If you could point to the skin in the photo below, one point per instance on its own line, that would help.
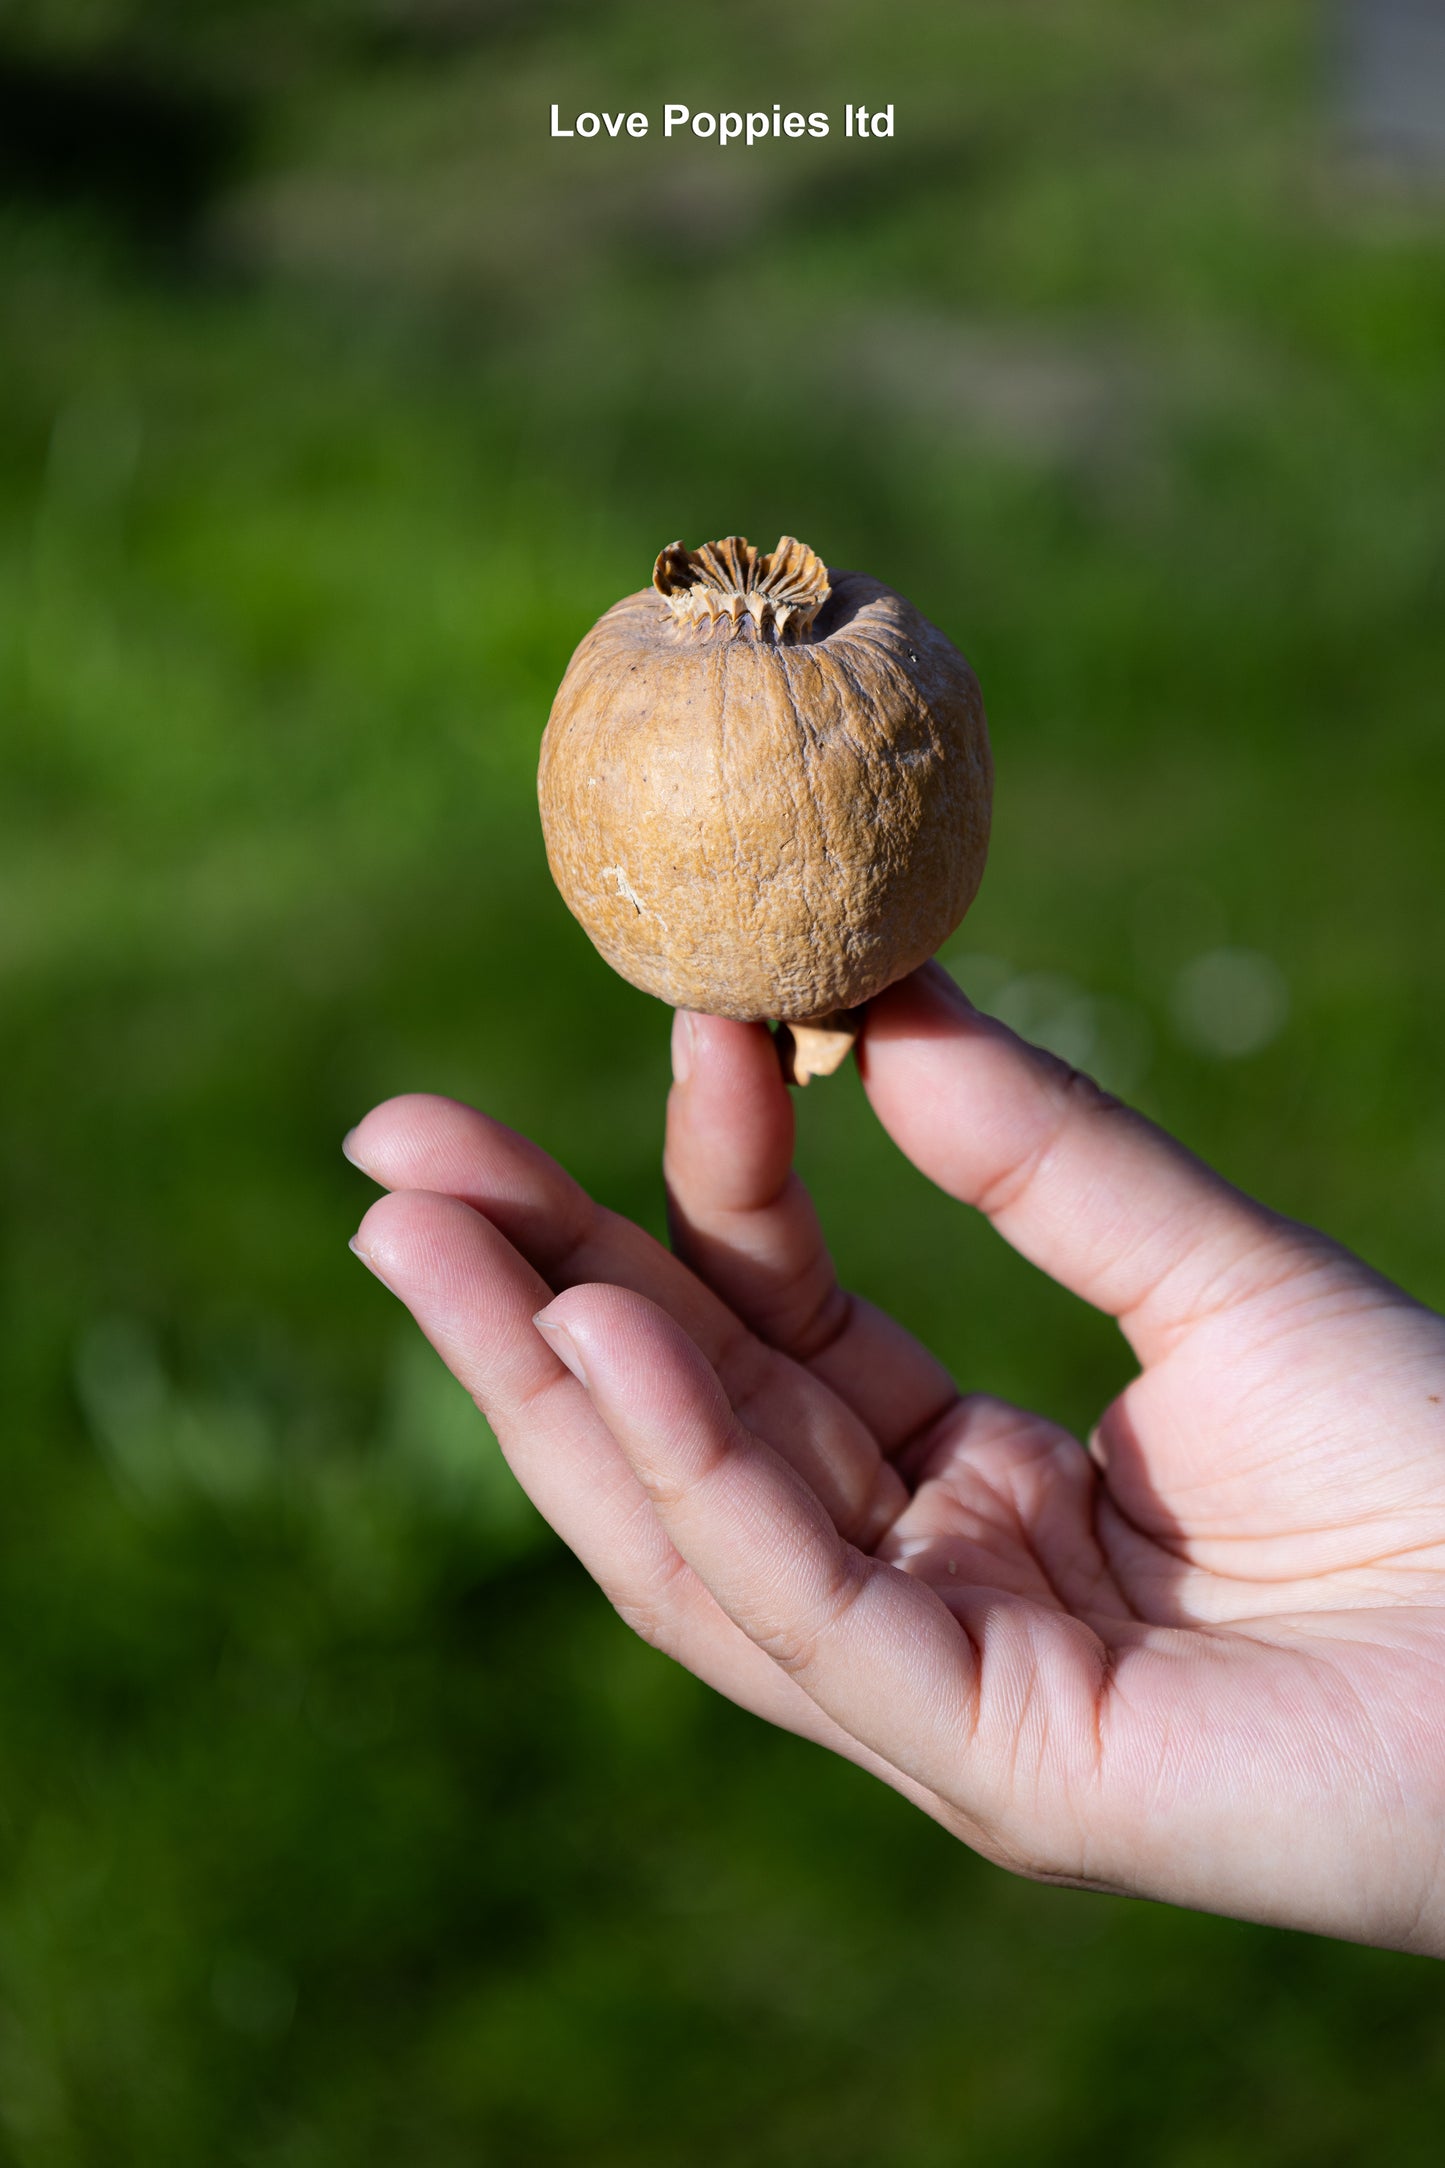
(1200, 1659)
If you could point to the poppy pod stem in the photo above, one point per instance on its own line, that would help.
(819, 1047)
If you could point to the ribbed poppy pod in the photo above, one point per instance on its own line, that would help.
(765, 789)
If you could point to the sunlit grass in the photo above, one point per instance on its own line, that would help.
(342, 1821)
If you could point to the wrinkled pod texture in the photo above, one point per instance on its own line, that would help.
(765, 785)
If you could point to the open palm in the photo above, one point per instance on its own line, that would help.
(1202, 1660)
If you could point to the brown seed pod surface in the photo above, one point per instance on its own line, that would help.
(765, 785)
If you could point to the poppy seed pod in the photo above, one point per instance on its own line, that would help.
(765, 789)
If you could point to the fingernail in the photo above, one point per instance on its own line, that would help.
(944, 984)
(563, 1346)
(357, 1251)
(683, 1042)
(346, 1151)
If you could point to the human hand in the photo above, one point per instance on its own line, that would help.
(1202, 1660)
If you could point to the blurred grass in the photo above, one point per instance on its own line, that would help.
(341, 1821)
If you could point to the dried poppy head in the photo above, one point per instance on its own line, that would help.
(765, 789)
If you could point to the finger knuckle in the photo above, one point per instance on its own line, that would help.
(651, 1611)
(645, 1619)
(1067, 1096)
(795, 1645)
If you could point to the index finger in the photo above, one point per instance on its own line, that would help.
(743, 1220)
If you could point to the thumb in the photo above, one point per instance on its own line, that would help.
(1102, 1200)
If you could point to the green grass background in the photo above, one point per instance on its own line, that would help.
(341, 1821)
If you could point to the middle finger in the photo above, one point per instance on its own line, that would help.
(420, 1142)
